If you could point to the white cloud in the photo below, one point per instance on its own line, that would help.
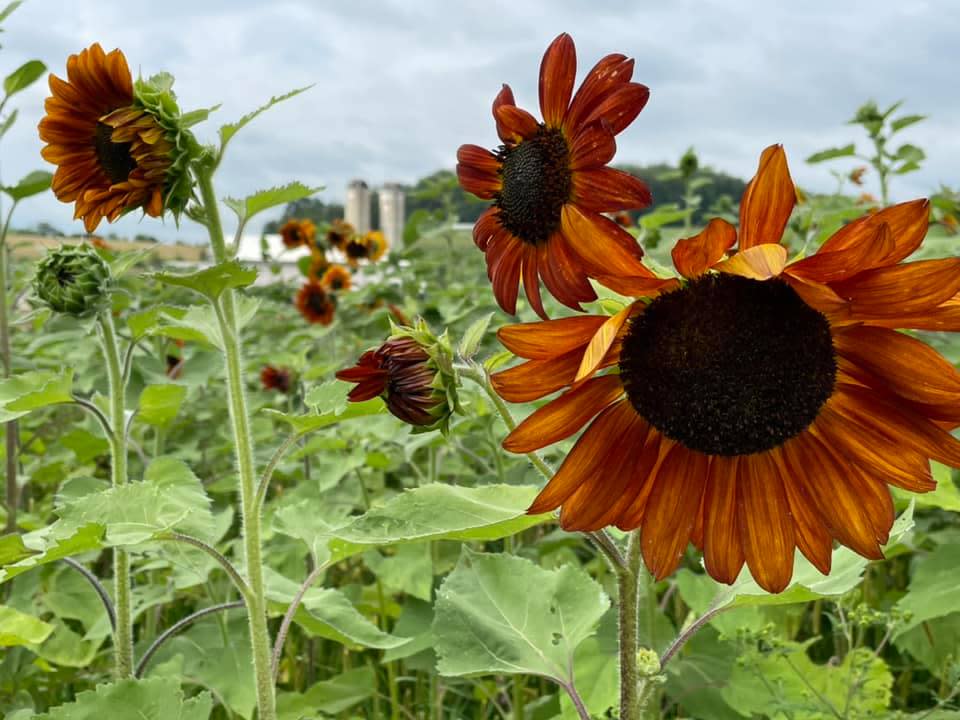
(400, 85)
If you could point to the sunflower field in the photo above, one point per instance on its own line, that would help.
(583, 457)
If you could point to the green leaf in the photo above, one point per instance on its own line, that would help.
(23, 77)
(857, 687)
(159, 404)
(32, 183)
(933, 588)
(596, 668)
(17, 628)
(5, 13)
(831, 153)
(54, 543)
(230, 129)
(906, 121)
(440, 512)
(472, 338)
(212, 281)
(945, 497)
(200, 324)
(339, 693)
(309, 422)
(170, 497)
(503, 614)
(67, 648)
(266, 199)
(12, 549)
(21, 394)
(326, 612)
(152, 699)
(8, 122)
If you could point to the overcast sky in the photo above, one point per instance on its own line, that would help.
(400, 84)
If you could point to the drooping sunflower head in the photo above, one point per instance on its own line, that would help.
(74, 280)
(376, 243)
(751, 407)
(549, 183)
(339, 232)
(273, 378)
(296, 233)
(315, 303)
(337, 278)
(118, 145)
(413, 372)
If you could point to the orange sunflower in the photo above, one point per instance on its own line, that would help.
(549, 183)
(113, 154)
(296, 233)
(356, 249)
(339, 233)
(754, 406)
(376, 243)
(336, 278)
(315, 303)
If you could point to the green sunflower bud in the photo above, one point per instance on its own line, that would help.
(74, 280)
(689, 163)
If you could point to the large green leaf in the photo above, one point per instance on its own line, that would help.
(30, 391)
(17, 628)
(153, 699)
(266, 199)
(23, 77)
(159, 404)
(33, 183)
(54, 543)
(170, 497)
(310, 422)
(332, 696)
(499, 613)
(793, 686)
(327, 612)
(933, 588)
(212, 281)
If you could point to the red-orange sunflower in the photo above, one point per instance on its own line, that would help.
(296, 233)
(550, 183)
(274, 378)
(336, 278)
(315, 303)
(115, 143)
(752, 407)
(339, 232)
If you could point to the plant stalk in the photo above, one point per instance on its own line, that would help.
(123, 635)
(12, 488)
(628, 587)
(240, 420)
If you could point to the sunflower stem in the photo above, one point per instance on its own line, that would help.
(240, 420)
(12, 488)
(628, 586)
(123, 634)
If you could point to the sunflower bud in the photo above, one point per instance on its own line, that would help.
(74, 280)
(413, 372)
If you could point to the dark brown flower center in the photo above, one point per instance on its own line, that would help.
(114, 158)
(536, 183)
(319, 302)
(356, 250)
(728, 365)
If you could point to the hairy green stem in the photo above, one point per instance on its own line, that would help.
(12, 488)
(249, 507)
(628, 585)
(123, 635)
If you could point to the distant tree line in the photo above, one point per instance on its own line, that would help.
(441, 193)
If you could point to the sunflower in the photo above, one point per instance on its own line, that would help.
(114, 149)
(317, 265)
(336, 278)
(315, 303)
(339, 233)
(296, 233)
(413, 372)
(549, 183)
(273, 378)
(755, 406)
(376, 243)
(355, 249)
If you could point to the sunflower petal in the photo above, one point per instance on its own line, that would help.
(621, 107)
(904, 288)
(811, 534)
(830, 266)
(722, 550)
(768, 200)
(608, 190)
(535, 379)
(766, 529)
(550, 338)
(516, 123)
(562, 274)
(693, 256)
(608, 74)
(908, 226)
(561, 418)
(594, 146)
(558, 72)
(601, 342)
(760, 262)
(602, 245)
(504, 97)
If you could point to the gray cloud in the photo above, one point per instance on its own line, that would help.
(400, 85)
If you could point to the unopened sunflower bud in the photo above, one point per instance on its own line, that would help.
(74, 281)
(413, 372)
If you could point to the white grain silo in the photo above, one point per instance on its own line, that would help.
(392, 213)
(357, 209)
